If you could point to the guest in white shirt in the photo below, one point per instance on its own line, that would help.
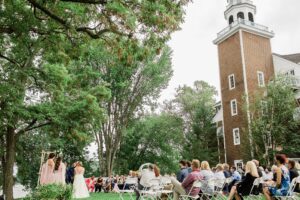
(146, 176)
(219, 175)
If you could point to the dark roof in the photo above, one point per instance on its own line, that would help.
(295, 58)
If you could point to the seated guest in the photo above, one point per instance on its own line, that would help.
(189, 168)
(206, 174)
(109, 183)
(226, 170)
(183, 171)
(258, 169)
(268, 174)
(282, 180)
(293, 171)
(156, 171)
(90, 182)
(293, 174)
(146, 176)
(219, 174)
(99, 184)
(244, 187)
(236, 177)
(235, 174)
(185, 187)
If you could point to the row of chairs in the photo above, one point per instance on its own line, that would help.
(154, 192)
(214, 186)
(218, 185)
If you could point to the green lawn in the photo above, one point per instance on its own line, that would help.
(106, 196)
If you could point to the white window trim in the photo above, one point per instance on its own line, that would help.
(231, 107)
(233, 132)
(229, 81)
(263, 78)
(236, 162)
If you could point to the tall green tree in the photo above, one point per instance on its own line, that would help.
(39, 39)
(156, 139)
(195, 105)
(273, 125)
(135, 75)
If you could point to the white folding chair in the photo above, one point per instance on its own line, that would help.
(290, 194)
(153, 192)
(164, 182)
(129, 181)
(219, 185)
(196, 184)
(207, 188)
(256, 184)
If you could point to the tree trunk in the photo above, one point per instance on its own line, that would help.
(9, 164)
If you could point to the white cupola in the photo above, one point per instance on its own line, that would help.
(244, 9)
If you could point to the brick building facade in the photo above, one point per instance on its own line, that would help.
(245, 65)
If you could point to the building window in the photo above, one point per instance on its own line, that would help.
(231, 81)
(241, 15)
(233, 105)
(239, 164)
(230, 19)
(261, 79)
(236, 136)
(250, 16)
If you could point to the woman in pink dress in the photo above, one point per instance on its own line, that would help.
(59, 176)
(47, 170)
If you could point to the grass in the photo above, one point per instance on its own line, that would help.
(106, 196)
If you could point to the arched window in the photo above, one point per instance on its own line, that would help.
(241, 15)
(250, 16)
(230, 19)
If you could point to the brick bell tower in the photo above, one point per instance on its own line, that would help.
(246, 66)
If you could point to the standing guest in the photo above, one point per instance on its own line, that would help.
(244, 187)
(90, 182)
(282, 180)
(99, 184)
(186, 186)
(47, 175)
(59, 176)
(182, 174)
(189, 168)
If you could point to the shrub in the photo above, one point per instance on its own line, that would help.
(51, 192)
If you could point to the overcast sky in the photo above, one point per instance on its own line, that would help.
(195, 56)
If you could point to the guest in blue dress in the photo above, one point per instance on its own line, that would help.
(282, 181)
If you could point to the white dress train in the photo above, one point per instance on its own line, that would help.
(80, 189)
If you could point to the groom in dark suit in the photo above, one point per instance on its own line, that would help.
(70, 174)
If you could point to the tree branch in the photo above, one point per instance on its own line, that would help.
(38, 126)
(49, 13)
(9, 59)
(102, 2)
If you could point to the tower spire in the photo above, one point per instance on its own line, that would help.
(243, 9)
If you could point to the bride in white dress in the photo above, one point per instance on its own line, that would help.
(80, 189)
